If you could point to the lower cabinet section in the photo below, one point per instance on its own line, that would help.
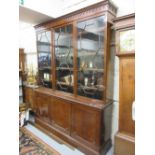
(83, 125)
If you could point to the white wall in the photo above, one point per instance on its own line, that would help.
(27, 37)
(124, 7)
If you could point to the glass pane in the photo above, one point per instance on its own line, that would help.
(44, 58)
(127, 41)
(64, 58)
(91, 57)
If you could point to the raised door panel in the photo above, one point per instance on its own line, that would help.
(127, 94)
(42, 103)
(85, 125)
(60, 113)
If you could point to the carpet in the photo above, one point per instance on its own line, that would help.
(29, 144)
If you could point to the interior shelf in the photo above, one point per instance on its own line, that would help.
(41, 51)
(92, 69)
(96, 87)
(91, 30)
(64, 68)
(44, 68)
(64, 83)
(43, 43)
(63, 46)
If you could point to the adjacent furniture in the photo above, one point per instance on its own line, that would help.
(21, 70)
(21, 59)
(73, 57)
(125, 50)
(20, 87)
(29, 96)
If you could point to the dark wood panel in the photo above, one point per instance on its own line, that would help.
(60, 114)
(85, 124)
(127, 94)
(42, 102)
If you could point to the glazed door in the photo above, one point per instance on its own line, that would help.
(64, 58)
(90, 46)
(44, 59)
(42, 102)
(85, 125)
(60, 114)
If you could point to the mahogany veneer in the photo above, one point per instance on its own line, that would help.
(79, 123)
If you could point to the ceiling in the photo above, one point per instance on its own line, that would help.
(44, 10)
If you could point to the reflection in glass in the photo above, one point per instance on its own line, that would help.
(64, 58)
(127, 41)
(44, 58)
(91, 57)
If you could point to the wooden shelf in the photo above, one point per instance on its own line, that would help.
(64, 68)
(89, 52)
(94, 31)
(95, 88)
(62, 46)
(64, 83)
(43, 43)
(44, 68)
(41, 51)
(64, 36)
(91, 69)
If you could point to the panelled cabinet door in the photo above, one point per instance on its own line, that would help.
(42, 102)
(85, 125)
(60, 114)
